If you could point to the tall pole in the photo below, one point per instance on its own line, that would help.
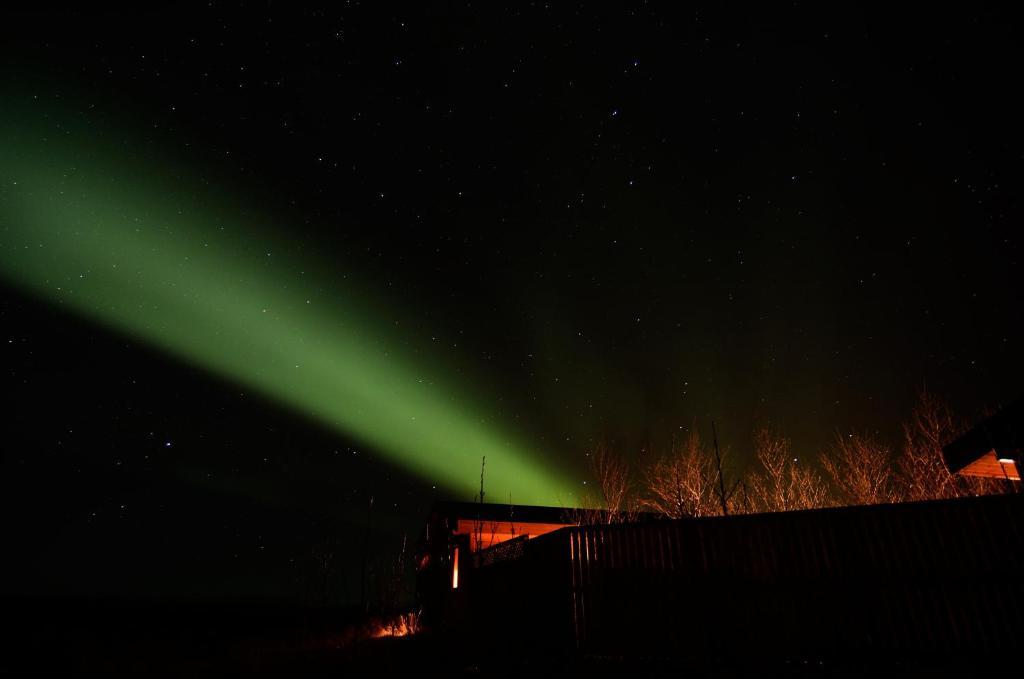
(479, 514)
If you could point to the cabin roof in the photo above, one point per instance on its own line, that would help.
(502, 512)
(487, 511)
(992, 448)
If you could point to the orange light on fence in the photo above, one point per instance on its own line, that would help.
(455, 569)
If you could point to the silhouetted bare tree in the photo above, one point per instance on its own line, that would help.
(781, 483)
(612, 475)
(611, 501)
(922, 471)
(684, 482)
(861, 470)
(858, 470)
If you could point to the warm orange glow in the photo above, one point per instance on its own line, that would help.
(401, 625)
(493, 532)
(455, 569)
(993, 467)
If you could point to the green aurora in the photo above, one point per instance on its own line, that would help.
(131, 243)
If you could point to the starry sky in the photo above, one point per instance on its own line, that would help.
(573, 223)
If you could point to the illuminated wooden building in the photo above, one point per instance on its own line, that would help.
(456, 531)
(473, 526)
(992, 449)
(462, 537)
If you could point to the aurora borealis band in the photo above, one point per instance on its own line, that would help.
(127, 243)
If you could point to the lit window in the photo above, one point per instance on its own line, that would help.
(455, 569)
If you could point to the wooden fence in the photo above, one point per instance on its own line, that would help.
(930, 579)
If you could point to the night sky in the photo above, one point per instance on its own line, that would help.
(540, 226)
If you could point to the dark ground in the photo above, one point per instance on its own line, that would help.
(133, 638)
(120, 639)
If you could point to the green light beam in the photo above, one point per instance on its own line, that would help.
(126, 243)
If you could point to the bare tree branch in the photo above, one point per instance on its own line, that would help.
(781, 483)
(860, 470)
(683, 483)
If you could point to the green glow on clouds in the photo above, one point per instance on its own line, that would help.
(126, 242)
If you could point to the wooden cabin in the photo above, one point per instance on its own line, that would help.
(461, 537)
(458, 531)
